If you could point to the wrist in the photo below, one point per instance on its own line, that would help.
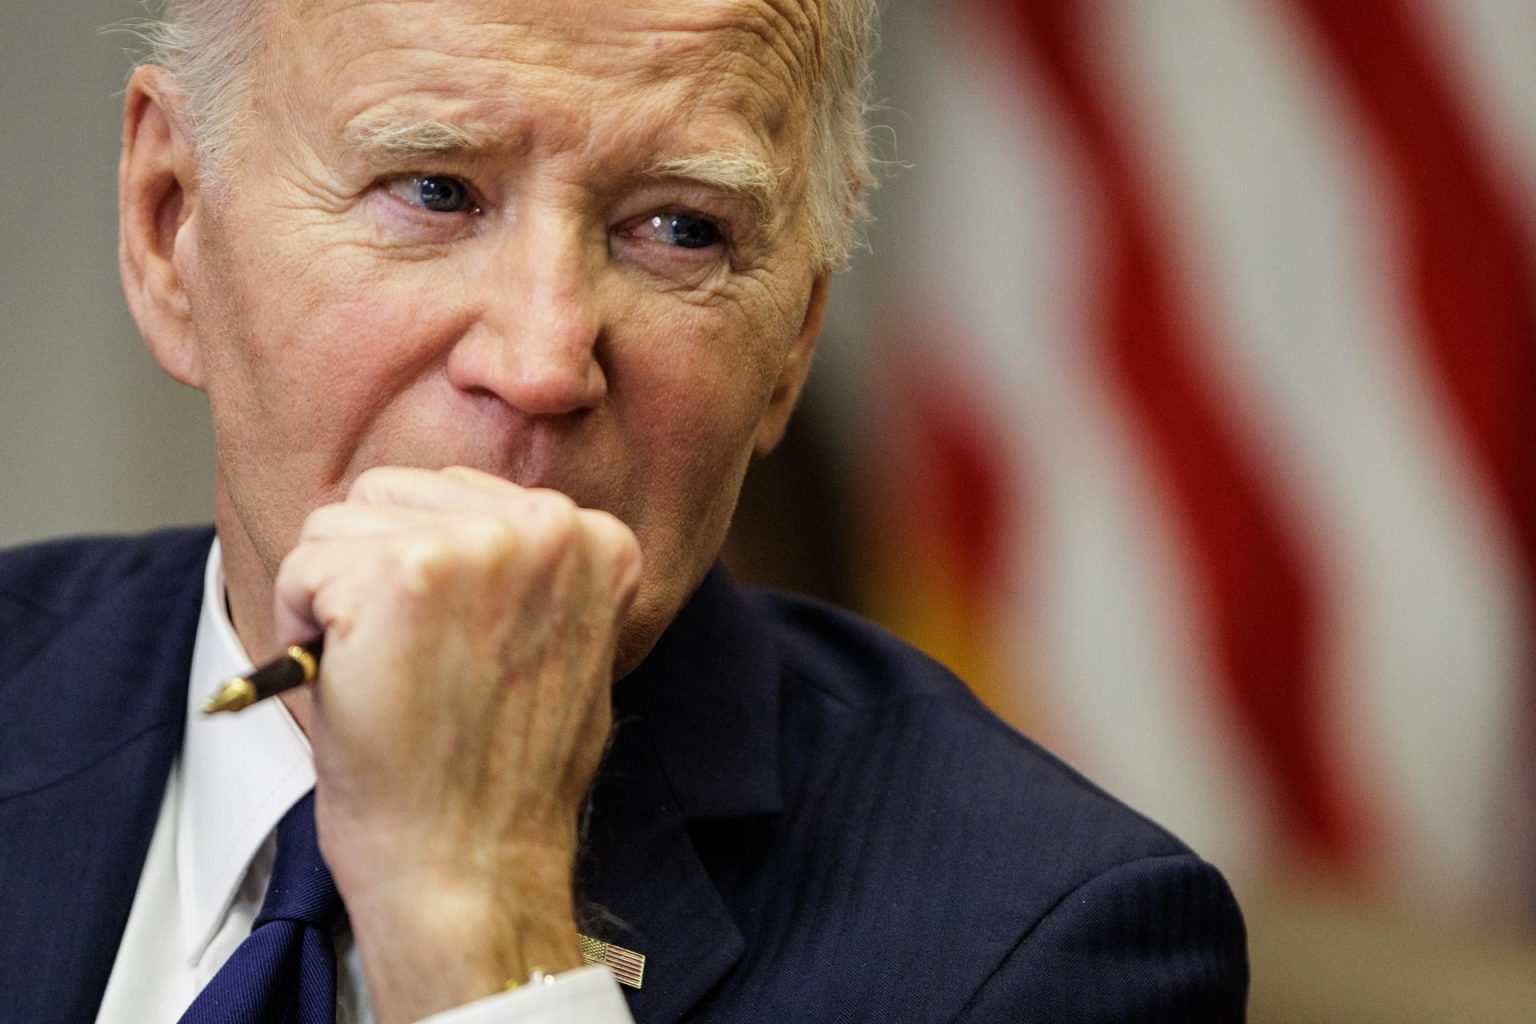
(428, 946)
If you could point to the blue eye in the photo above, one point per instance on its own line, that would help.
(686, 230)
(442, 194)
(439, 193)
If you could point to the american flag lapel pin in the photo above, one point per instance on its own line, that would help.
(627, 965)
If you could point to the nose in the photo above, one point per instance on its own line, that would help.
(536, 339)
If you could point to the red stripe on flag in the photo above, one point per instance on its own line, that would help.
(944, 473)
(1251, 574)
(1471, 278)
(945, 513)
(960, 457)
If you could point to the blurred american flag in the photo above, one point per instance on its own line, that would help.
(1199, 365)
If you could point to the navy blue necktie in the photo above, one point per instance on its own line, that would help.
(285, 970)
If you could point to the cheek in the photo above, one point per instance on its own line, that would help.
(306, 362)
(690, 397)
(312, 349)
(696, 387)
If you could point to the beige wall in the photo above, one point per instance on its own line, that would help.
(92, 437)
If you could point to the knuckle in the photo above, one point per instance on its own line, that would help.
(555, 522)
(470, 475)
(546, 502)
(374, 480)
(618, 545)
(290, 569)
(320, 522)
(628, 568)
(490, 537)
(609, 529)
(419, 565)
(431, 561)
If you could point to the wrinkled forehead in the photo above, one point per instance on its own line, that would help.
(758, 59)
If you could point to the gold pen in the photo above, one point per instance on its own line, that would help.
(296, 666)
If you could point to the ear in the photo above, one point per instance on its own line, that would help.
(157, 194)
(796, 367)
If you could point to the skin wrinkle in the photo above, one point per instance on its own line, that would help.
(805, 75)
(486, 39)
(490, 45)
(765, 22)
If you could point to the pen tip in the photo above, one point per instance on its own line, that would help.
(232, 696)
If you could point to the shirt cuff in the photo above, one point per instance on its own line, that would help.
(587, 995)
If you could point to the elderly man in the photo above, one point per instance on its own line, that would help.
(493, 302)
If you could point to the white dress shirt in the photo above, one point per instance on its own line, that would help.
(211, 856)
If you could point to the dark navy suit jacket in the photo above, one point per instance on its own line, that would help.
(799, 819)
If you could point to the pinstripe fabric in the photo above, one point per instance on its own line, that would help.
(1072, 965)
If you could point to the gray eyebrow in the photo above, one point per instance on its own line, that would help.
(383, 137)
(734, 172)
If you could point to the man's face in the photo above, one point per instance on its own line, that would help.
(534, 237)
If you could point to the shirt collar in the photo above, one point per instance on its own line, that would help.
(238, 774)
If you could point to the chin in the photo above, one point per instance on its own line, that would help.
(653, 610)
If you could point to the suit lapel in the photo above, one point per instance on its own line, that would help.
(646, 888)
(695, 740)
(92, 720)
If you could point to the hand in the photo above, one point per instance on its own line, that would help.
(460, 715)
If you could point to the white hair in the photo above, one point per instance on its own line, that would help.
(212, 48)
